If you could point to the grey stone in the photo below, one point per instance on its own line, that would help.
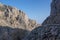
(54, 17)
(46, 32)
(50, 29)
(8, 33)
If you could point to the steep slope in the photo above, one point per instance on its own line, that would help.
(12, 17)
(50, 29)
(46, 32)
(54, 17)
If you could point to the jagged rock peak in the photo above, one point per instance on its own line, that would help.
(11, 16)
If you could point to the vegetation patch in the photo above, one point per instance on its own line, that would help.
(2, 9)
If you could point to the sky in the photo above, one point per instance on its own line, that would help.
(38, 10)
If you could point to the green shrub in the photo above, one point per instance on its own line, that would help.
(2, 9)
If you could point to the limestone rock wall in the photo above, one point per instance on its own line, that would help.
(14, 23)
(15, 18)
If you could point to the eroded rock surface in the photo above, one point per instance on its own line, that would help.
(12, 17)
(46, 32)
(54, 17)
(14, 23)
(8, 33)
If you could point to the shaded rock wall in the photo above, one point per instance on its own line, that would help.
(46, 32)
(54, 17)
(8, 33)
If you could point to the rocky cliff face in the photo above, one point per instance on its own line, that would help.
(45, 32)
(14, 23)
(55, 13)
(50, 29)
(12, 17)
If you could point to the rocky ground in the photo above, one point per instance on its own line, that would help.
(8, 33)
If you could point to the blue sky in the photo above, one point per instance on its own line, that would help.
(35, 9)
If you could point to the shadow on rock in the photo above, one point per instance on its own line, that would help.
(8, 33)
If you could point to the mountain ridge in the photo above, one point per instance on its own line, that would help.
(11, 16)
